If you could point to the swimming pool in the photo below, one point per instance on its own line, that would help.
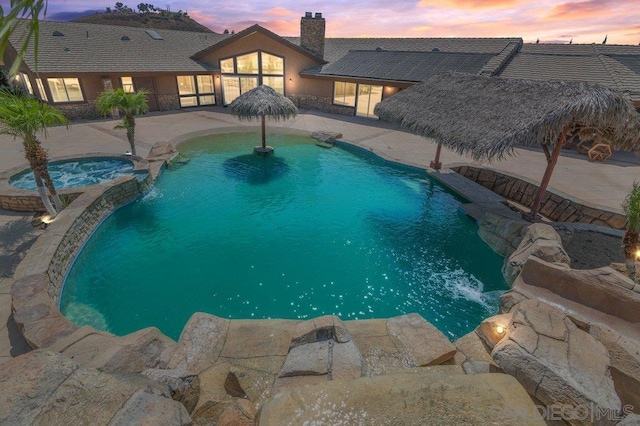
(77, 172)
(307, 232)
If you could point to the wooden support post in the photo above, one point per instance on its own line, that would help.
(547, 175)
(436, 164)
(264, 142)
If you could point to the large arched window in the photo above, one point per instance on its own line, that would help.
(242, 73)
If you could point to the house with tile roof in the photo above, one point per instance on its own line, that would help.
(78, 61)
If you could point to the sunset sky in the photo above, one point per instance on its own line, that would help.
(550, 21)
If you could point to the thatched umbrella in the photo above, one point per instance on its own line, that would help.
(261, 102)
(488, 117)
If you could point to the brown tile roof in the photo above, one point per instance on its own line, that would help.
(336, 48)
(617, 67)
(99, 48)
(403, 66)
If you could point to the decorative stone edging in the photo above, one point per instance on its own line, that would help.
(559, 208)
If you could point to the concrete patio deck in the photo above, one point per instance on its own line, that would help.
(603, 184)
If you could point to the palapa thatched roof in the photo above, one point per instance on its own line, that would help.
(262, 101)
(487, 117)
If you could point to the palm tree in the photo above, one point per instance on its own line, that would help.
(631, 208)
(22, 117)
(129, 104)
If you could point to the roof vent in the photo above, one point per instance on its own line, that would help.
(379, 49)
(154, 34)
(308, 15)
(125, 38)
(435, 49)
(57, 34)
(67, 49)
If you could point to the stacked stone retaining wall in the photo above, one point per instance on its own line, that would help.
(86, 212)
(319, 103)
(554, 206)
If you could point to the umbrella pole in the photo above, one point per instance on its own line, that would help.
(551, 163)
(436, 164)
(264, 143)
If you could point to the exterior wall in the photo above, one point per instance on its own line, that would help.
(554, 206)
(294, 62)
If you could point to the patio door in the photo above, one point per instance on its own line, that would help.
(368, 97)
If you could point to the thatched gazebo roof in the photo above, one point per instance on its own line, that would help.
(263, 101)
(487, 117)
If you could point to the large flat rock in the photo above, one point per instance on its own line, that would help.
(132, 353)
(419, 340)
(46, 388)
(556, 362)
(405, 399)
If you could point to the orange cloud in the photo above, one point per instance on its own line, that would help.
(579, 10)
(279, 11)
(471, 4)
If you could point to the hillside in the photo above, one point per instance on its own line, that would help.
(165, 21)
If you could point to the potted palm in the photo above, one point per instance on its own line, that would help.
(631, 208)
(23, 117)
(129, 105)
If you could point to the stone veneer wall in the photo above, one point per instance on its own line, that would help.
(319, 103)
(92, 207)
(554, 206)
(29, 203)
(168, 102)
(79, 110)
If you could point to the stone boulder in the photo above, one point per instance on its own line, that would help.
(184, 386)
(602, 289)
(200, 343)
(423, 343)
(132, 353)
(161, 151)
(541, 241)
(320, 347)
(493, 329)
(624, 353)
(557, 363)
(48, 388)
(326, 137)
(630, 420)
(404, 399)
(501, 233)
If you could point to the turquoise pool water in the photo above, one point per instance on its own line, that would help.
(308, 232)
(75, 173)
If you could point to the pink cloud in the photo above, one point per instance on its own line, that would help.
(279, 11)
(471, 4)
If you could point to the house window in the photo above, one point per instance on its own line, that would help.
(43, 94)
(234, 86)
(344, 93)
(23, 80)
(196, 90)
(245, 72)
(248, 64)
(276, 83)
(368, 97)
(227, 66)
(65, 89)
(127, 84)
(272, 64)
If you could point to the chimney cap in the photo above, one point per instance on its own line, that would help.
(308, 14)
(318, 15)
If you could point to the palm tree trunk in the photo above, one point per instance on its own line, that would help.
(630, 246)
(37, 158)
(130, 125)
(43, 196)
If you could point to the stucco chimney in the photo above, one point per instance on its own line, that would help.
(312, 30)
